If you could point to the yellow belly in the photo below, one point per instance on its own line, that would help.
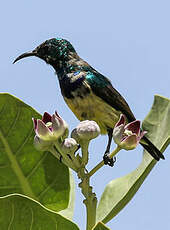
(93, 108)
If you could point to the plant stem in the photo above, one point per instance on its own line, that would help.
(85, 153)
(91, 205)
(64, 160)
(98, 166)
(90, 201)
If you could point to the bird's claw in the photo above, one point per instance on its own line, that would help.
(109, 161)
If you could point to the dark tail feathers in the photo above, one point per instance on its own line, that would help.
(152, 149)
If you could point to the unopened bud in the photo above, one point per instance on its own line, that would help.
(69, 145)
(86, 130)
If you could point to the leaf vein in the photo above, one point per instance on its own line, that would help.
(32, 218)
(37, 165)
(9, 187)
(25, 186)
(12, 216)
(24, 142)
(4, 166)
(3, 107)
(46, 189)
(14, 122)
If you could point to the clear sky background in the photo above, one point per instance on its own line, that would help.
(127, 41)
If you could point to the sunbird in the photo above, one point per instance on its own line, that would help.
(88, 93)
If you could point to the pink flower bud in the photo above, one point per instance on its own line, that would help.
(86, 130)
(69, 145)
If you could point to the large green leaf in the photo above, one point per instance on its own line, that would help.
(120, 191)
(23, 169)
(69, 211)
(100, 226)
(19, 212)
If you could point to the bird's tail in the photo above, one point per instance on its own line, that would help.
(151, 148)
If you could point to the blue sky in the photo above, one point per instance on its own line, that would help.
(127, 41)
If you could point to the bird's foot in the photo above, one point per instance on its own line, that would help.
(109, 161)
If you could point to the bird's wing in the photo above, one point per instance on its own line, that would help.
(102, 87)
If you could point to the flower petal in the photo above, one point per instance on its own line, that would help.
(118, 134)
(134, 127)
(46, 117)
(56, 121)
(121, 120)
(42, 131)
(141, 135)
(59, 126)
(130, 142)
(57, 115)
(34, 123)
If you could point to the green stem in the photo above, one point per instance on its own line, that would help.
(90, 201)
(68, 161)
(91, 205)
(63, 160)
(85, 153)
(98, 166)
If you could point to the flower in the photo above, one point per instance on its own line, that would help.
(127, 136)
(85, 131)
(50, 127)
(69, 145)
(42, 145)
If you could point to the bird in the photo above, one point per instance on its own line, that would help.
(89, 94)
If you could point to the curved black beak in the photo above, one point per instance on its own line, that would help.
(28, 54)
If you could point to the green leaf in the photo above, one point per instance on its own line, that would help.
(100, 226)
(157, 123)
(19, 212)
(120, 191)
(69, 211)
(23, 169)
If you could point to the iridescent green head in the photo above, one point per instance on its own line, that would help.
(52, 51)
